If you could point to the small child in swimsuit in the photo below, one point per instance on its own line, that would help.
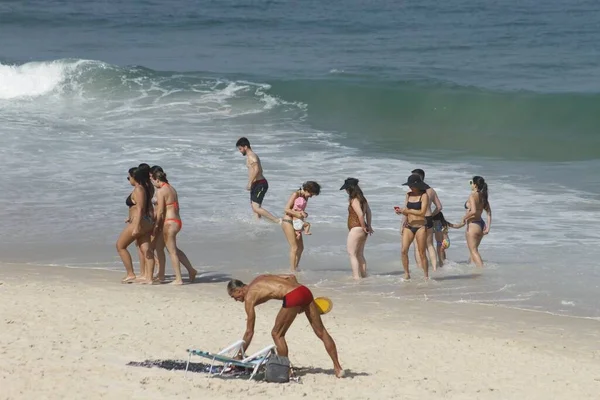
(441, 225)
(298, 223)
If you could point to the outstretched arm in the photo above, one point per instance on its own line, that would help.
(437, 203)
(251, 319)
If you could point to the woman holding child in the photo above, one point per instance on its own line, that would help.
(294, 210)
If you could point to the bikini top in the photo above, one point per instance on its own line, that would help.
(466, 205)
(175, 203)
(129, 202)
(300, 204)
(414, 205)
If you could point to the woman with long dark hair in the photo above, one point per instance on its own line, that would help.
(308, 190)
(415, 226)
(477, 203)
(359, 227)
(139, 224)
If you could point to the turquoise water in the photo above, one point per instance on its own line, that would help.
(510, 91)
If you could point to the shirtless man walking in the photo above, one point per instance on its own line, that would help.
(296, 298)
(257, 184)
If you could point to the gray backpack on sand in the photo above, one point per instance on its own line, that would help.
(278, 369)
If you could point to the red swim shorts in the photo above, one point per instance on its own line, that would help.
(299, 297)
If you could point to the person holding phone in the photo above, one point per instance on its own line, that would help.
(414, 226)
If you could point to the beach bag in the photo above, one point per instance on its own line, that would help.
(278, 369)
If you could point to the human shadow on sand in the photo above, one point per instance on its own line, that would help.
(303, 371)
(202, 277)
(194, 367)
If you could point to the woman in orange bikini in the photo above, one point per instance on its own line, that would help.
(168, 224)
(359, 227)
(415, 208)
(139, 224)
(159, 245)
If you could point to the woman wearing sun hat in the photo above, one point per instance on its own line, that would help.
(359, 227)
(415, 207)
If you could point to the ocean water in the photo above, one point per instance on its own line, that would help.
(509, 91)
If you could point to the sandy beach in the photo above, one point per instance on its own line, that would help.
(70, 333)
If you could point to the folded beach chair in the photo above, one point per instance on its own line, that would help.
(226, 356)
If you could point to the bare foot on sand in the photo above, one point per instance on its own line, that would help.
(339, 373)
(148, 282)
(178, 283)
(129, 279)
(193, 275)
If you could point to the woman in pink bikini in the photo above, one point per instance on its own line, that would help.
(300, 226)
(168, 224)
(308, 190)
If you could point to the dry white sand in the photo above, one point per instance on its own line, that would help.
(69, 334)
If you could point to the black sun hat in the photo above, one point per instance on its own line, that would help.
(415, 181)
(349, 182)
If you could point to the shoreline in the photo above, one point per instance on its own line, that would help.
(376, 296)
(76, 330)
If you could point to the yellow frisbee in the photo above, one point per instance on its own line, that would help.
(324, 304)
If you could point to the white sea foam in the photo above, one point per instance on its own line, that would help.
(66, 158)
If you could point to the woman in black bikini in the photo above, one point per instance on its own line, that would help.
(415, 208)
(476, 227)
(308, 190)
(139, 224)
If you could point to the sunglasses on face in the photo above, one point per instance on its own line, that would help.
(128, 178)
(471, 182)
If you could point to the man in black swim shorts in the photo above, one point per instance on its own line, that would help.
(257, 184)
